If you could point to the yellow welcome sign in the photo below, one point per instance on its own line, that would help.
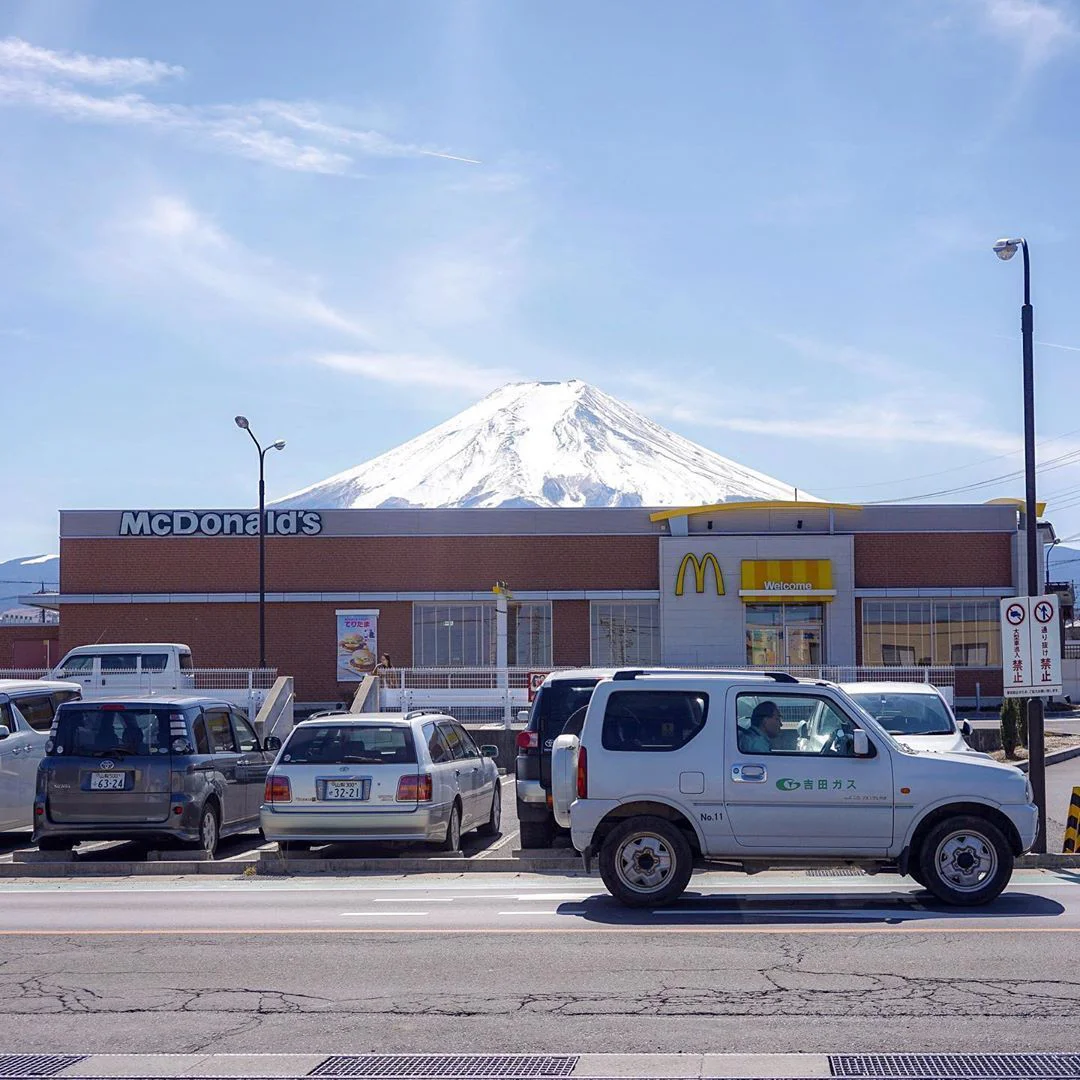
(787, 579)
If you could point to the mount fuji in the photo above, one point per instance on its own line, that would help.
(544, 444)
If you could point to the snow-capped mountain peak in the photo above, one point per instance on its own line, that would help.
(544, 444)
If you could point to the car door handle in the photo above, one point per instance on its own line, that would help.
(749, 774)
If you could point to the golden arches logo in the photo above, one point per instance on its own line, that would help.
(700, 566)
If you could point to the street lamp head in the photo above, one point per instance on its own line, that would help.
(242, 422)
(279, 445)
(1006, 249)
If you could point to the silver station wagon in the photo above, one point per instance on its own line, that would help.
(409, 777)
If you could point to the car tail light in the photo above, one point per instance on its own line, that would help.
(415, 788)
(278, 789)
(582, 773)
(528, 740)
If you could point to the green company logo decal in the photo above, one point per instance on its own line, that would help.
(787, 783)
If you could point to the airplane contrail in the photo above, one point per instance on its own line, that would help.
(451, 157)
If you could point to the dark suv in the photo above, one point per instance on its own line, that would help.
(562, 697)
(188, 769)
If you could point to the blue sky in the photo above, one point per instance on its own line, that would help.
(766, 225)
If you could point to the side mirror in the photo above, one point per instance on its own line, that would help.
(861, 743)
(965, 728)
(523, 716)
(4, 731)
(489, 750)
(272, 744)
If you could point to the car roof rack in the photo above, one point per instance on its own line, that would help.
(633, 673)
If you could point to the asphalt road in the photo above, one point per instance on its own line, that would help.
(501, 963)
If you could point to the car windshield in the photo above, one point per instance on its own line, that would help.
(108, 731)
(907, 714)
(344, 744)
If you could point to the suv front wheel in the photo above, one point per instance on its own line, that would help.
(965, 860)
(646, 862)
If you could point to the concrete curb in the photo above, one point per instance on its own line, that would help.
(1051, 759)
(670, 1066)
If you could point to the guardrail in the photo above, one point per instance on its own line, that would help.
(494, 695)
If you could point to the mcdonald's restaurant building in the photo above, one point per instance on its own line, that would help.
(729, 585)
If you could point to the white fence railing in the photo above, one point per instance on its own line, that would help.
(496, 695)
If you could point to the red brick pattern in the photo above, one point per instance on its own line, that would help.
(23, 642)
(946, 560)
(570, 640)
(317, 564)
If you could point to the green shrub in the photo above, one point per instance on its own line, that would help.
(1021, 720)
(1009, 734)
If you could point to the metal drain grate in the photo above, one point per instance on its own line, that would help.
(985, 1066)
(447, 1065)
(836, 871)
(37, 1064)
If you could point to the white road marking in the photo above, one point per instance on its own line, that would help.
(559, 896)
(383, 914)
(414, 900)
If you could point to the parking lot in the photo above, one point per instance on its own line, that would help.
(238, 853)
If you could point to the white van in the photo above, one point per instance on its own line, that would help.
(674, 769)
(142, 667)
(27, 707)
(151, 668)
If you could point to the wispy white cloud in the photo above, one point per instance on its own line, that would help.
(405, 369)
(166, 245)
(1038, 30)
(899, 408)
(22, 56)
(295, 136)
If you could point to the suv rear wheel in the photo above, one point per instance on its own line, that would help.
(537, 834)
(965, 861)
(646, 862)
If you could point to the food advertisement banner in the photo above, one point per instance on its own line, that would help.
(357, 644)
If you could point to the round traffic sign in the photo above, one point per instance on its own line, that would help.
(1043, 611)
(1015, 614)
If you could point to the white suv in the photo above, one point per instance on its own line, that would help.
(675, 768)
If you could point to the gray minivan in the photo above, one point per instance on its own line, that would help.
(188, 769)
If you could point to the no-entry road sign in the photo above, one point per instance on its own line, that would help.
(1031, 646)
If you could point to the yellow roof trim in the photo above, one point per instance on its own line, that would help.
(1040, 507)
(688, 511)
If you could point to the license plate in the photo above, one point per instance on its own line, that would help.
(355, 790)
(107, 781)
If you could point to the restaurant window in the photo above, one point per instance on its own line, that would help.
(625, 634)
(962, 633)
(785, 635)
(465, 635)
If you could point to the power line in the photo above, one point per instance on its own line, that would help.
(943, 472)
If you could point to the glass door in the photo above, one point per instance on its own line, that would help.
(785, 635)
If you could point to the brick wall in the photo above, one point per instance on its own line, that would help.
(314, 564)
(570, 640)
(911, 560)
(300, 638)
(29, 645)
